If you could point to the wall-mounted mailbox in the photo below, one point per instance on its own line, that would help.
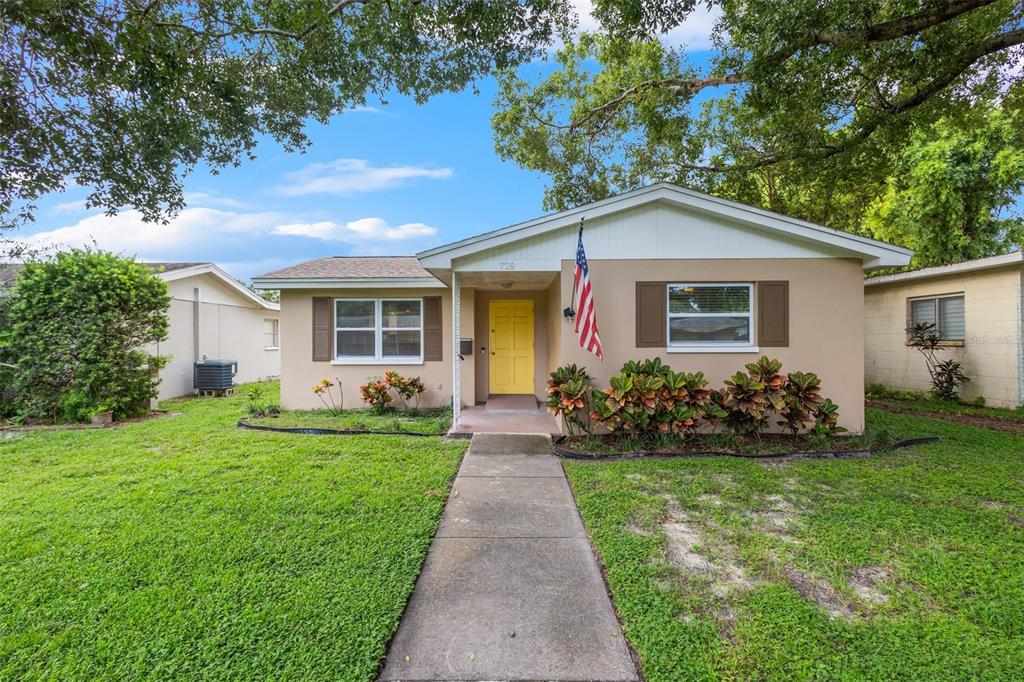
(465, 347)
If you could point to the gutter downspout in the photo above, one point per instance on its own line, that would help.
(195, 324)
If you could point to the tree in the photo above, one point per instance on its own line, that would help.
(794, 89)
(78, 326)
(952, 190)
(127, 97)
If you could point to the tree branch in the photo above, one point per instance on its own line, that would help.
(921, 95)
(882, 32)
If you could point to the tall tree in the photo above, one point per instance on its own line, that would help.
(952, 194)
(127, 97)
(799, 90)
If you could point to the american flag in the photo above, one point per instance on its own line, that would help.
(583, 303)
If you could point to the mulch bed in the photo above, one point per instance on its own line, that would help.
(314, 431)
(777, 447)
(1005, 424)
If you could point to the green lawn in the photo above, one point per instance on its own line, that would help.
(907, 565)
(185, 548)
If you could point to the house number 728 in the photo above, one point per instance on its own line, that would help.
(506, 266)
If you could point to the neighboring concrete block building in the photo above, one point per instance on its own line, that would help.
(976, 306)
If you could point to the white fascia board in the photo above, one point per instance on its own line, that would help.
(349, 283)
(212, 269)
(953, 269)
(875, 254)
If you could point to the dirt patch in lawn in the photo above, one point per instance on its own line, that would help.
(1007, 424)
(683, 537)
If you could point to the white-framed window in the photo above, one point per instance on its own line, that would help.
(378, 330)
(717, 316)
(946, 312)
(271, 333)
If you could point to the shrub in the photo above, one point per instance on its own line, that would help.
(405, 389)
(802, 398)
(568, 393)
(78, 324)
(947, 375)
(648, 397)
(377, 393)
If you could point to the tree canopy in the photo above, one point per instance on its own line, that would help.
(127, 97)
(805, 107)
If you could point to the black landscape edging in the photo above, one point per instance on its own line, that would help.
(796, 454)
(313, 431)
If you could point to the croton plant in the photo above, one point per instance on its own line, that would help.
(648, 396)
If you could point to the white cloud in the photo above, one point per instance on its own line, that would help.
(127, 233)
(357, 231)
(76, 206)
(353, 176)
(362, 109)
(694, 33)
(212, 197)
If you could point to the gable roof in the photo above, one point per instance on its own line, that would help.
(174, 271)
(1012, 258)
(873, 253)
(349, 271)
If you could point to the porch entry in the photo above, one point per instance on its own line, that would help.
(511, 346)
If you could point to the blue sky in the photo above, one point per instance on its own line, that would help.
(392, 178)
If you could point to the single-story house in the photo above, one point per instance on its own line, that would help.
(976, 307)
(212, 315)
(704, 283)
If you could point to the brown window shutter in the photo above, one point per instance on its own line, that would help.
(773, 314)
(322, 333)
(432, 337)
(651, 314)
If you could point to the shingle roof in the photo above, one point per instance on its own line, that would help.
(352, 267)
(9, 273)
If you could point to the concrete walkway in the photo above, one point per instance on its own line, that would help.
(510, 589)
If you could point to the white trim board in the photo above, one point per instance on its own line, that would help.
(954, 269)
(874, 254)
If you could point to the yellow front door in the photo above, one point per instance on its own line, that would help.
(511, 342)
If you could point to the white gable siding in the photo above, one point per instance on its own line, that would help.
(650, 231)
(212, 290)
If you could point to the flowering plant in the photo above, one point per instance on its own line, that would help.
(323, 391)
(405, 389)
(377, 393)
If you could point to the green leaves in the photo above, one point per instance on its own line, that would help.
(128, 97)
(806, 108)
(79, 324)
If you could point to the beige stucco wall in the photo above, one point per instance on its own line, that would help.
(231, 327)
(989, 353)
(826, 321)
(299, 373)
(481, 335)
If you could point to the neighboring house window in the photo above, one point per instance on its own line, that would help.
(945, 312)
(272, 333)
(702, 315)
(372, 330)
